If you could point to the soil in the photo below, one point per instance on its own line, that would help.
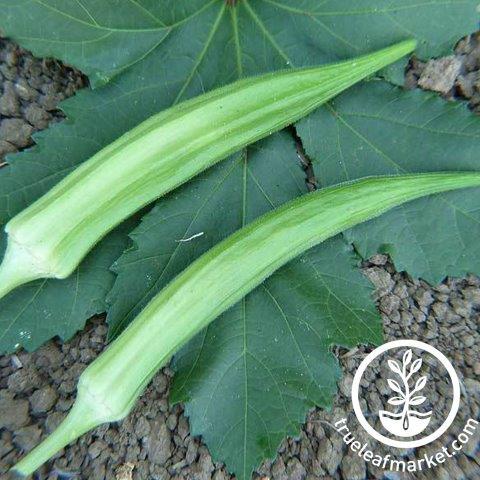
(30, 90)
(455, 76)
(153, 442)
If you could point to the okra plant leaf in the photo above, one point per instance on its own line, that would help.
(40, 310)
(375, 128)
(106, 38)
(248, 380)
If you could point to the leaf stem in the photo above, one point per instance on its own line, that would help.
(406, 405)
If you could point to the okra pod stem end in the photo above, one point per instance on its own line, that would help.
(19, 266)
(80, 420)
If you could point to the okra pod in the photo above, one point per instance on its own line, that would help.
(51, 237)
(109, 387)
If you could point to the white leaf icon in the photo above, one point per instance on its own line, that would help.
(394, 366)
(415, 366)
(407, 357)
(394, 386)
(418, 400)
(420, 383)
(396, 401)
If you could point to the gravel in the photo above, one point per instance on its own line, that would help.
(30, 90)
(455, 76)
(154, 442)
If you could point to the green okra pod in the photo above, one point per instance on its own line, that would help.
(109, 387)
(50, 238)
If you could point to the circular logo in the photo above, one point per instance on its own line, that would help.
(404, 418)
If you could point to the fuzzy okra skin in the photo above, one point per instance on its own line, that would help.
(109, 387)
(50, 238)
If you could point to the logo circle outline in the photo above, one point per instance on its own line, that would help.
(455, 386)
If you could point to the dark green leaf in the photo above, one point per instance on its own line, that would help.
(378, 129)
(105, 38)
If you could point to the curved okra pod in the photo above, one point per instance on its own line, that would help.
(50, 238)
(109, 387)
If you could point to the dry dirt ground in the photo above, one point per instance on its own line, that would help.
(36, 390)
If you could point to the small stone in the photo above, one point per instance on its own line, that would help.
(24, 380)
(440, 310)
(466, 84)
(328, 456)
(37, 116)
(9, 105)
(6, 148)
(172, 421)
(220, 475)
(203, 469)
(468, 341)
(295, 470)
(423, 297)
(27, 437)
(468, 466)
(16, 131)
(96, 448)
(439, 75)
(13, 413)
(16, 362)
(51, 101)
(182, 428)
(381, 279)
(162, 405)
(177, 466)
(278, 469)
(67, 386)
(8, 72)
(11, 58)
(124, 472)
(406, 319)
(345, 385)
(192, 451)
(353, 467)
(401, 291)
(464, 46)
(472, 295)
(99, 470)
(64, 404)
(453, 469)
(472, 386)
(43, 400)
(24, 91)
(378, 259)
(389, 303)
(133, 451)
(142, 427)
(160, 383)
(159, 443)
